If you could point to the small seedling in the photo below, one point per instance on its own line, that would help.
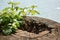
(11, 18)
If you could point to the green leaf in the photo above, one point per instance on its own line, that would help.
(33, 12)
(14, 3)
(29, 11)
(11, 3)
(23, 13)
(33, 6)
(17, 8)
(17, 24)
(37, 12)
(12, 9)
(7, 31)
(14, 26)
(18, 17)
(22, 9)
(6, 9)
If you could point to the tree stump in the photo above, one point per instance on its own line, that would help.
(45, 35)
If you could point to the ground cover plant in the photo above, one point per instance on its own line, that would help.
(12, 17)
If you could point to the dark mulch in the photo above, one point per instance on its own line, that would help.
(35, 27)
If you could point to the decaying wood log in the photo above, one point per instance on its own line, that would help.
(45, 35)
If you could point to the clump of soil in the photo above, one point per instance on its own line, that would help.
(35, 27)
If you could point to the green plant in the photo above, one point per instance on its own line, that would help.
(11, 18)
(32, 10)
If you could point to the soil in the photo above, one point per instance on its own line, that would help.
(35, 27)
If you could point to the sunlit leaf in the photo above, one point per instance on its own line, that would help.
(11, 3)
(29, 11)
(37, 12)
(23, 13)
(14, 26)
(14, 3)
(32, 12)
(33, 6)
(6, 9)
